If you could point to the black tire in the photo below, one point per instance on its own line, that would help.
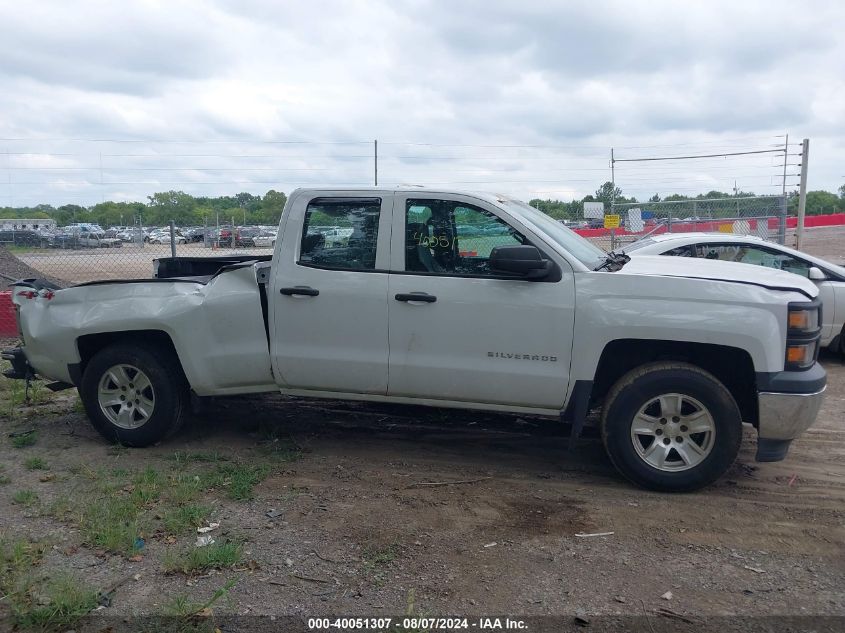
(170, 393)
(642, 386)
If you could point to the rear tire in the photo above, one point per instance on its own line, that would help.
(134, 395)
(671, 427)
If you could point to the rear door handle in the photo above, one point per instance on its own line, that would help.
(416, 296)
(307, 291)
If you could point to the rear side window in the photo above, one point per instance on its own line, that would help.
(340, 233)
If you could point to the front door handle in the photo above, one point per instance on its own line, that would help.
(416, 296)
(307, 291)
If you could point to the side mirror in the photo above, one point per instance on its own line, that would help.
(525, 261)
(816, 274)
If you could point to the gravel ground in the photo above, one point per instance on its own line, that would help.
(395, 508)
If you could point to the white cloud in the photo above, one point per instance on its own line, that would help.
(570, 79)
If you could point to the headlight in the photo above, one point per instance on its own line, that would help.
(803, 333)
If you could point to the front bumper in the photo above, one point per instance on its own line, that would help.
(785, 416)
(788, 403)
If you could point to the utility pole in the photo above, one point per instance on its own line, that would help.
(375, 162)
(802, 192)
(782, 219)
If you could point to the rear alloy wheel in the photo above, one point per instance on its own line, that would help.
(126, 396)
(671, 426)
(135, 395)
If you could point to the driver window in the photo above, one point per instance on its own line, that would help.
(449, 237)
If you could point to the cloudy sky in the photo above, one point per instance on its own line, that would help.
(116, 100)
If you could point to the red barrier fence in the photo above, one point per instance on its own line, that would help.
(8, 326)
(833, 219)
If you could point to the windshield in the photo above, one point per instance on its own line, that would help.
(583, 250)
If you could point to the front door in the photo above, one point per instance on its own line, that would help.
(460, 332)
(328, 294)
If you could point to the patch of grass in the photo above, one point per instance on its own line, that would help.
(118, 449)
(27, 439)
(183, 607)
(183, 488)
(185, 519)
(198, 559)
(62, 601)
(147, 486)
(376, 559)
(239, 480)
(5, 479)
(78, 407)
(111, 524)
(184, 457)
(35, 463)
(24, 497)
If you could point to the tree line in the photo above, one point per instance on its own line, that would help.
(160, 208)
(246, 208)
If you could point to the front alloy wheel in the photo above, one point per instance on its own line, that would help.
(671, 426)
(673, 432)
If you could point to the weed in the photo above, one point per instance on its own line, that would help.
(238, 479)
(199, 559)
(183, 607)
(5, 479)
(35, 463)
(183, 457)
(25, 497)
(118, 449)
(111, 524)
(26, 439)
(185, 518)
(62, 601)
(183, 488)
(78, 407)
(376, 559)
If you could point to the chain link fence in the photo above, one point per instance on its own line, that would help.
(762, 216)
(77, 254)
(80, 253)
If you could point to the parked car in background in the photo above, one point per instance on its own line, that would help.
(198, 234)
(24, 237)
(162, 236)
(134, 235)
(98, 240)
(265, 239)
(748, 249)
(245, 235)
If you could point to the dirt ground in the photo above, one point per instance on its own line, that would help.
(378, 511)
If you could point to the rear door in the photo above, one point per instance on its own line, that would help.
(328, 298)
(457, 330)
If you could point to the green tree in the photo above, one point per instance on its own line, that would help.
(172, 205)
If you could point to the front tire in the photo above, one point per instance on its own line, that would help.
(134, 395)
(671, 427)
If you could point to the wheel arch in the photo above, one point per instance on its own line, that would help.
(89, 344)
(732, 366)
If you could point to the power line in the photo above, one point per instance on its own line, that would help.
(760, 151)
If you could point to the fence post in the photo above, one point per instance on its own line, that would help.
(802, 193)
(172, 240)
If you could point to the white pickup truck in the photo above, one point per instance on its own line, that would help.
(513, 312)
